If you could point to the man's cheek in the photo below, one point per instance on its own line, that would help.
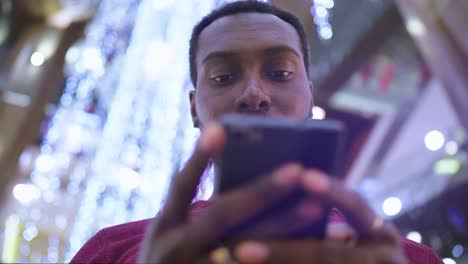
(208, 112)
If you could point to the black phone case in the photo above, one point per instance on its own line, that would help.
(257, 145)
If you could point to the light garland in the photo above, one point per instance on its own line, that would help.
(71, 138)
(147, 131)
(321, 11)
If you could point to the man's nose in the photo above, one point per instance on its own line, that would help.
(254, 98)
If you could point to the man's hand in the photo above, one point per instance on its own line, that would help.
(172, 238)
(374, 241)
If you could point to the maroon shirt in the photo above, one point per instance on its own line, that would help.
(121, 243)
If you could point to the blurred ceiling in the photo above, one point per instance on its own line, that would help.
(50, 8)
(31, 62)
(19, 15)
(5, 19)
(41, 8)
(371, 68)
(362, 30)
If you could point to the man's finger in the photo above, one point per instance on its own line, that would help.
(184, 184)
(354, 207)
(283, 223)
(341, 231)
(301, 252)
(242, 204)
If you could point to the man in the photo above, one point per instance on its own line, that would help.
(251, 58)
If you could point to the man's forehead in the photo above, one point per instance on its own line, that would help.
(247, 31)
(246, 19)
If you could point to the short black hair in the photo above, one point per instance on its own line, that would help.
(244, 7)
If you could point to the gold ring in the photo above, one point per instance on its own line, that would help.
(221, 255)
(377, 224)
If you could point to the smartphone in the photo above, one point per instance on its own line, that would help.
(257, 145)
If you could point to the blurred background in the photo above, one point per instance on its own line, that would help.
(94, 113)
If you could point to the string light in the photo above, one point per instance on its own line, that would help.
(451, 148)
(26, 193)
(318, 113)
(414, 236)
(448, 261)
(415, 26)
(457, 251)
(30, 232)
(143, 145)
(321, 11)
(392, 206)
(37, 59)
(434, 140)
(72, 132)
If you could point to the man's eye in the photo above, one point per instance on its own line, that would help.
(222, 79)
(280, 75)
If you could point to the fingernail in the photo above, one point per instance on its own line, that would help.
(251, 252)
(287, 175)
(316, 182)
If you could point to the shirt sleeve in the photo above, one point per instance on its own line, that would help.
(434, 258)
(93, 251)
(417, 253)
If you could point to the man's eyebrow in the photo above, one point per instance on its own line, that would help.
(223, 55)
(271, 51)
(281, 49)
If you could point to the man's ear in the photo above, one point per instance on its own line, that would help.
(193, 109)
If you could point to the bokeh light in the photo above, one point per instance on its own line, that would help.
(37, 59)
(318, 113)
(434, 140)
(392, 206)
(414, 236)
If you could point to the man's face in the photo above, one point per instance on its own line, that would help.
(250, 63)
